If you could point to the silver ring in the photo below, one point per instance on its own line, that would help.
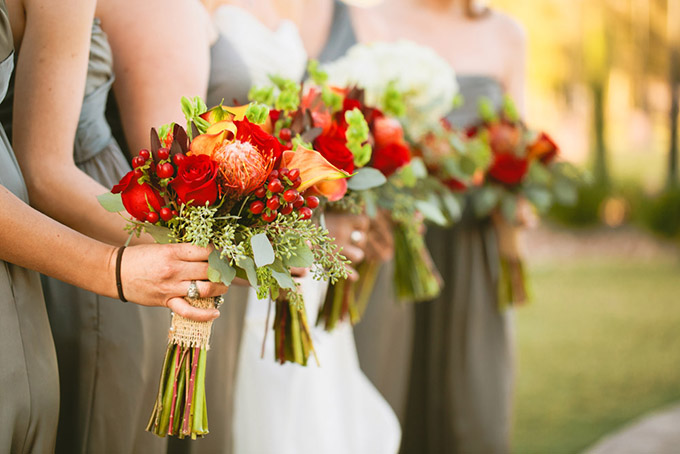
(356, 236)
(218, 301)
(192, 291)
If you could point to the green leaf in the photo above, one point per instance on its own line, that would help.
(431, 212)
(509, 207)
(453, 206)
(419, 169)
(366, 178)
(111, 202)
(565, 192)
(248, 265)
(485, 200)
(219, 269)
(302, 257)
(540, 197)
(262, 250)
(161, 235)
(370, 203)
(282, 275)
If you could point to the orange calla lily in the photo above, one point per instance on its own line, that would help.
(207, 143)
(333, 190)
(316, 171)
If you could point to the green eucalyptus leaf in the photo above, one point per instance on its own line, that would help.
(509, 207)
(111, 202)
(262, 250)
(221, 270)
(453, 206)
(302, 257)
(539, 197)
(431, 212)
(565, 192)
(282, 275)
(161, 235)
(370, 203)
(419, 169)
(366, 178)
(485, 200)
(248, 265)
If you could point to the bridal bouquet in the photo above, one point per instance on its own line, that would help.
(403, 90)
(403, 77)
(227, 182)
(523, 167)
(329, 120)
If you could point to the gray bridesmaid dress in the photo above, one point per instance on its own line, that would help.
(461, 381)
(29, 386)
(109, 352)
(229, 81)
(384, 335)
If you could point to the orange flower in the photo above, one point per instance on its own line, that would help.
(242, 166)
(316, 172)
(543, 148)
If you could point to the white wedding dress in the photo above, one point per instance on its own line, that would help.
(290, 409)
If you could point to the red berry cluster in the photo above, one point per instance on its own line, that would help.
(279, 195)
(145, 165)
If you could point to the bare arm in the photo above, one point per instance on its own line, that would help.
(152, 275)
(161, 52)
(51, 72)
(515, 72)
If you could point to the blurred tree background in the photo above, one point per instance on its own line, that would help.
(600, 345)
(603, 78)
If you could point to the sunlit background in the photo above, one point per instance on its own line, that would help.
(600, 344)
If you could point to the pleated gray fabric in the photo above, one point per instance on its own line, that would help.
(109, 353)
(229, 81)
(29, 386)
(461, 382)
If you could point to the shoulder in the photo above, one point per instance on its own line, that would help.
(508, 30)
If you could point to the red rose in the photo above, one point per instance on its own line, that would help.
(333, 147)
(266, 143)
(138, 197)
(350, 104)
(543, 149)
(508, 168)
(196, 181)
(391, 157)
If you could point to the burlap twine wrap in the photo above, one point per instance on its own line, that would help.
(189, 333)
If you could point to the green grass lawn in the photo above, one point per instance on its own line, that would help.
(599, 346)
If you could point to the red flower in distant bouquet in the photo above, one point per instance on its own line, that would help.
(390, 158)
(333, 147)
(387, 130)
(138, 199)
(504, 137)
(543, 149)
(508, 168)
(196, 181)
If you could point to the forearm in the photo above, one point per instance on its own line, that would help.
(67, 194)
(34, 241)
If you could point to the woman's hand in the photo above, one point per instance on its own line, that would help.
(380, 241)
(160, 275)
(350, 232)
